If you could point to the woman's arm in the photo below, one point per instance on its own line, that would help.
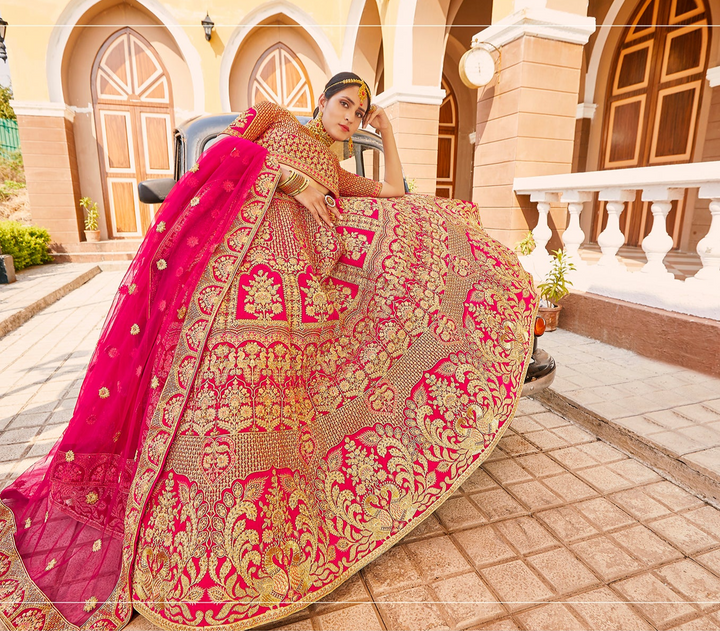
(312, 199)
(394, 185)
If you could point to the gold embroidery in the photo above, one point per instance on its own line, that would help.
(91, 498)
(131, 288)
(161, 264)
(28, 522)
(160, 227)
(134, 329)
(51, 565)
(181, 312)
(262, 299)
(90, 604)
(154, 383)
(194, 168)
(97, 544)
(104, 394)
(70, 456)
(194, 201)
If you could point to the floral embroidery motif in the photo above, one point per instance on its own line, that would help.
(91, 498)
(194, 201)
(28, 522)
(104, 394)
(70, 456)
(160, 227)
(194, 168)
(134, 329)
(90, 604)
(262, 299)
(131, 288)
(161, 264)
(154, 383)
(51, 565)
(97, 545)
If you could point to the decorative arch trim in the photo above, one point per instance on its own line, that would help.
(599, 48)
(352, 27)
(72, 14)
(251, 20)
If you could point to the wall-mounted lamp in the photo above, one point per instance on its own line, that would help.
(3, 28)
(208, 25)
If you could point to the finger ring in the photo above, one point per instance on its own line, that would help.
(330, 201)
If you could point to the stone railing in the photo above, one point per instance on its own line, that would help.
(660, 185)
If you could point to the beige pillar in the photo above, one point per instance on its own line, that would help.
(526, 117)
(414, 113)
(48, 148)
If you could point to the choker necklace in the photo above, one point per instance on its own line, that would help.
(317, 130)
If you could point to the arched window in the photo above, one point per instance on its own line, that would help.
(280, 77)
(447, 143)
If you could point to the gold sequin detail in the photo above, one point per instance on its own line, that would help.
(160, 227)
(161, 264)
(104, 393)
(92, 498)
(154, 383)
(131, 288)
(194, 167)
(181, 312)
(51, 565)
(70, 456)
(97, 545)
(194, 201)
(116, 437)
(134, 329)
(90, 604)
(28, 522)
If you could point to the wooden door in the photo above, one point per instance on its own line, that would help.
(132, 103)
(447, 143)
(654, 98)
(280, 77)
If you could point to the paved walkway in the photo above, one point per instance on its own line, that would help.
(558, 530)
(38, 287)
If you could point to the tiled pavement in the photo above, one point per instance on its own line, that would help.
(557, 530)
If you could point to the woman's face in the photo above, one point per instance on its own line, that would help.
(343, 112)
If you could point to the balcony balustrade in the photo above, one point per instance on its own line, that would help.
(653, 285)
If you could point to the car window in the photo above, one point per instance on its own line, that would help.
(371, 163)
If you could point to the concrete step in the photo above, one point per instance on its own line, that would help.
(92, 257)
(96, 252)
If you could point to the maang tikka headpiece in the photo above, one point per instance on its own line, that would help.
(363, 90)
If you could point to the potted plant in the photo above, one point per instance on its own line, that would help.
(526, 246)
(92, 232)
(554, 288)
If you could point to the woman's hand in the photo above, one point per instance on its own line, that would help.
(314, 201)
(378, 118)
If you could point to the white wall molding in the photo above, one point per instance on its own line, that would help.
(598, 48)
(42, 108)
(252, 19)
(73, 13)
(713, 76)
(422, 94)
(538, 22)
(586, 110)
(352, 26)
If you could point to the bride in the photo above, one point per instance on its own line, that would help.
(300, 366)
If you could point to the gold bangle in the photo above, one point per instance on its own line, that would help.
(294, 185)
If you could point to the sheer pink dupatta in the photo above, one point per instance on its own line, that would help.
(69, 508)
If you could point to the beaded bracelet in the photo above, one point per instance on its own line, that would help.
(294, 185)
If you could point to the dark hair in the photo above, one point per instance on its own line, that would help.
(337, 86)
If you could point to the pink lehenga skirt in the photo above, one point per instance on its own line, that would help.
(271, 406)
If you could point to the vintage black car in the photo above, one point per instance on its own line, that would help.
(197, 134)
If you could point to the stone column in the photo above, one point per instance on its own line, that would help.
(414, 113)
(526, 115)
(48, 148)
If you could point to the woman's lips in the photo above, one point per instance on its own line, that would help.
(344, 127)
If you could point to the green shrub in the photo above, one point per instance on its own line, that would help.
(12, 168)
(5, 110)
(28, 245)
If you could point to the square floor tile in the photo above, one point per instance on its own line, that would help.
(638, 504)
(707, 518)
(567, 523)
(391, 571)
(484, 546)
(574, 458)
(526, 534)
(498, 504)
(672, 496)
(550, 420)
(683, 534)
(351, 618)
(545, 440)
(604, 514)
(437, 557)
(411, 609)
(551, 617)
(507, 471)
(516, 584)
(563, 571)
(645, 545)
(468, 600)
(604, 612)
(427, 528)
(606, 558)
(515, 445)
(694, 582)
(535, 495)
(711, 560)
(602, 452)
(569, 487)
(350, 592)
(634, 471)
(479, 481)
(459, 512)
(603, 479)
(661, 605)
(539, 465)
(505, 624)
(704, 623)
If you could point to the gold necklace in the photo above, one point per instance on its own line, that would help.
(317, 130)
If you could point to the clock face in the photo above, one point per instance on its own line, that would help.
(477, 67)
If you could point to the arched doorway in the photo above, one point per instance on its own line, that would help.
(447, 143)
(132, 103)
(280, 77)
(654, 97)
